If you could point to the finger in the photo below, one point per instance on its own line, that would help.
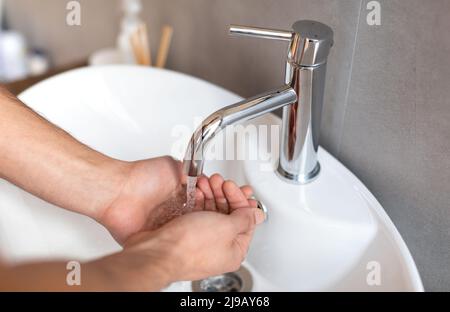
(216, 182)
(204, 185)
(199, 200)
(245, 220)
(247, 190)
(253, 203)
(235, 197)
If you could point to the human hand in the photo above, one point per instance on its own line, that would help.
(191, 247)
(152, 193)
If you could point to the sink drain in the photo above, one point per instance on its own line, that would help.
(239, 281)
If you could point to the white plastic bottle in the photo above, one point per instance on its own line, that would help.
(130, 22)
(13, 56)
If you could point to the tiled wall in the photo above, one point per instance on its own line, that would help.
(387, 96)
(396, 130)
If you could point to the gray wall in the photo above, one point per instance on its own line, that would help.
(387, 97)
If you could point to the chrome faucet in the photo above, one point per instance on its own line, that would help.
(301, 99)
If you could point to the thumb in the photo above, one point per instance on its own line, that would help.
(245, 219)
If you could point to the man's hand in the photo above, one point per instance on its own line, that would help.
(191, 247)
(153, 193)
(146, 187)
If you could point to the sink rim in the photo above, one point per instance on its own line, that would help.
(382, 219)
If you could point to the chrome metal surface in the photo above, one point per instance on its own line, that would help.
(242, 111)
(239, 281)
(261, 32)
(301, 179)
(310, 44)
(305, 73)
(264, 209)
(301, 98)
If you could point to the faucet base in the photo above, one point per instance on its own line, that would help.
(298, 179)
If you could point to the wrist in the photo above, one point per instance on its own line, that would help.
(112, 175)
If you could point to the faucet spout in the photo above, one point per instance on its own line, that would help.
(239, 112)
(301, 97)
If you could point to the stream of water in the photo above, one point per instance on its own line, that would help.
(190, 193)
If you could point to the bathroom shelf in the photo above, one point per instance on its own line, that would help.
(16, 87)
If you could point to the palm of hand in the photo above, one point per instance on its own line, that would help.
(153, 194)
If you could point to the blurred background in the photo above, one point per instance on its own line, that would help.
(387, 107)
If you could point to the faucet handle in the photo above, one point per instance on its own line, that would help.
(310, 41)
(261, 32)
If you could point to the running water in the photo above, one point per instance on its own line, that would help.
(179, 204)
(190, 193)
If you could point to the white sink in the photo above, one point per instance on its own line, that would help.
(330, 235)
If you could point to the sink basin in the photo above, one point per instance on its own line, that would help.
(329, 235)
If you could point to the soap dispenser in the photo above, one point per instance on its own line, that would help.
(130, 22)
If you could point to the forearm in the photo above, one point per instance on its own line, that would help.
(49, 276)
(111, 273)
(46, 161)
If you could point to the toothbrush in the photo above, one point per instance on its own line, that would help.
(140, 44)
(164, 46)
